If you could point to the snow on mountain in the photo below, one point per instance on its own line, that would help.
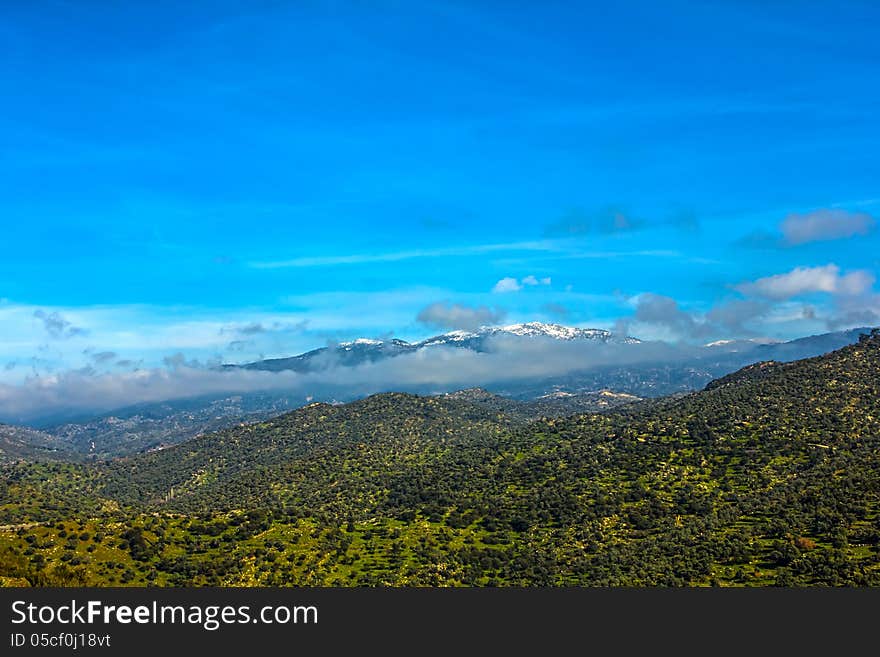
(744, 342)
(452, 336)
(554, 331)
(528, 329)
(360, 341)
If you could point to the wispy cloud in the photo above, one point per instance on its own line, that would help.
(606, 255)
(262, 328)
(395, 256)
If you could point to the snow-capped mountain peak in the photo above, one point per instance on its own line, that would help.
(450, 337)
(560, 332)
(527, 329)
(364, 341)
(557, 331)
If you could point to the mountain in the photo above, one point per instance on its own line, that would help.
(768, 477)
(477, 339)
(29, 444)
(364, 350)
(345, 354)
(807, 347)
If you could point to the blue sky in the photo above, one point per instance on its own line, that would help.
(236, 180)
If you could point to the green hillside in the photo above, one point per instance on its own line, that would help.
(770, 476)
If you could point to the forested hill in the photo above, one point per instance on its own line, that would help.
(321, 448)
(770, 476)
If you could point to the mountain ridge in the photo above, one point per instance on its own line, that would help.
(362, 350)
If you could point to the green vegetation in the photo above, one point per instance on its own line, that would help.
(770, 476)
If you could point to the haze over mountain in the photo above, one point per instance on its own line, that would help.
(535, 368)
(649, 369)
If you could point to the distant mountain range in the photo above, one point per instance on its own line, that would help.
(645, 378)
(367, 350)
(364, 350)
(153, 426)
(691, 372)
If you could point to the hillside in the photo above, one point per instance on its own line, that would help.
(318, 451)
(555, 404)
(24, 443)
(769, 477)
(147, 427)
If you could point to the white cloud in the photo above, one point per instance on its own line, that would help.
(825, 224)
(507, 284)
(807, 280)
(531, 280)
(510, 284)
